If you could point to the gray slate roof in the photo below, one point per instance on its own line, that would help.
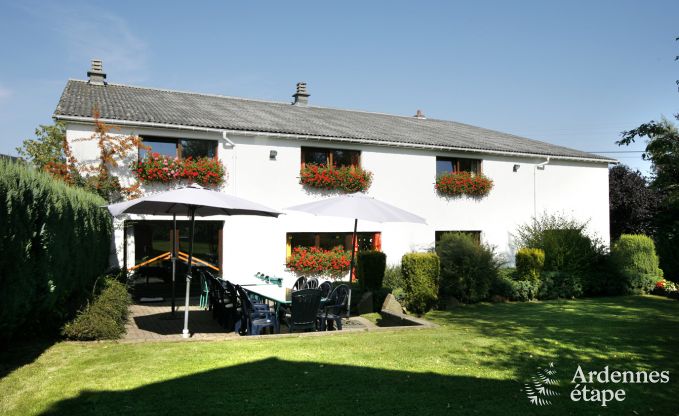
(146, 105)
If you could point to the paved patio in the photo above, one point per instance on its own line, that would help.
(154, 322)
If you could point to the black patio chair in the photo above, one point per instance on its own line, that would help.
(336, 304)
(253, 321)
(311, 283)
(304, 310)
(299, 284)
(326, 288)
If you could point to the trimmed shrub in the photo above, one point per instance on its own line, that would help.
(105, 317)
(467, 268)
(420, 277)
(636, 264)
(55, 240)
(529, 264)
(370, 267)
(556, 285)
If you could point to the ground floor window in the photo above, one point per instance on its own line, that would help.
(153, 240)
(328, 241)
(476, 235)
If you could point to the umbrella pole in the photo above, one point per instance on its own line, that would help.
(185, 331)
(174, 258)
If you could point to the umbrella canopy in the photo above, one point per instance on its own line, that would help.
(360, 207)
(191, 201)
(180, 202)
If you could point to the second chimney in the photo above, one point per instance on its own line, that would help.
(96, 74)
(301, 96)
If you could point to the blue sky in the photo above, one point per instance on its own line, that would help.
(571, 73)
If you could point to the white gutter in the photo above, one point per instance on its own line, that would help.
(327, 138)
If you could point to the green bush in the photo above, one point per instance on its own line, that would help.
(393, 278)
(529, 264)
(560, 285)
(502, 286)
(525, 290)
(55, 240)
(420, 276)
(467, 268)
(370, 267)
(635, 263)
(508, 286)
(105, 317)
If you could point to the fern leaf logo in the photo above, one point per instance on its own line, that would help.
(541, 388)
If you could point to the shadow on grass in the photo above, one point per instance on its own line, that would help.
(274, 386)
(22, 352)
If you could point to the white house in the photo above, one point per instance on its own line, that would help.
(262, 145)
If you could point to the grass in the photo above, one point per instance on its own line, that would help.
(476, 362)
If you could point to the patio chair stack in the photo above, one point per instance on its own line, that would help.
(311, 283)
(304, 310)
(299, 284)
(333, 309)
(254, 317)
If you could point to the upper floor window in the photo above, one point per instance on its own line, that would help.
(331, 157)
(455, 164)
(181, 148)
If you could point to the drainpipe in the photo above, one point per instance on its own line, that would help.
(539, 166)
(232, 145)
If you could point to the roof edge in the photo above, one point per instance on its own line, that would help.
(87, 120)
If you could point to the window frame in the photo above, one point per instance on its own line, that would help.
(178, 145)
(456, 164)
(329, 155)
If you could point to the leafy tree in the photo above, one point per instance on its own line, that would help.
(633, 202)
(46, 148)
(662, 150)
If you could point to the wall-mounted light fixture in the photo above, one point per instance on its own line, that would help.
(516, 168)
(272, 154)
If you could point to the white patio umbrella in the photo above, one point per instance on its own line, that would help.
(358, 206)
(191, 201)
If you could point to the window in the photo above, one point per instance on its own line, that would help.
(154, 238)
(476, 235)
(182, 148)
(451, 164)
(331, 157)
(328, 241)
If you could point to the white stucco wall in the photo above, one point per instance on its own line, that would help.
(402, 177)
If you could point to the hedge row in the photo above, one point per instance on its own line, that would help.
(105, 317)
(55, 241)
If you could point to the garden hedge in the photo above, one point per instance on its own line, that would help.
(370, 267)
(420, 277)
(55, 241)
(105, 317)
(529, 263)
(636, 264)
(467, 267)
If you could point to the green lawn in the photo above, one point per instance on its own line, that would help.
(475, 363)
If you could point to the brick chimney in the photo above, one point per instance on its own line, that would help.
(301, 96)
(96, 74)
(419, 115)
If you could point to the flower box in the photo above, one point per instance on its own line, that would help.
(463, 183)
(164, 169)
(345, 179)
(310, 261)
